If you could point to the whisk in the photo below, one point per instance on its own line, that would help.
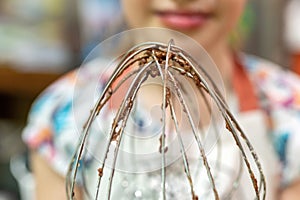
(173, 67)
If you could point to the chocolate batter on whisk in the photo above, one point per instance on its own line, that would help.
(152, 60)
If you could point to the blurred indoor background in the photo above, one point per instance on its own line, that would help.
(42, 39)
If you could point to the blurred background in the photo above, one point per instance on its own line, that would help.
(42, 39)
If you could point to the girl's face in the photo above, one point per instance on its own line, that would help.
(207, 21)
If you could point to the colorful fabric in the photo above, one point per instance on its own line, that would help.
(53, 128)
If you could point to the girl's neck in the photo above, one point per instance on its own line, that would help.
(223, 57)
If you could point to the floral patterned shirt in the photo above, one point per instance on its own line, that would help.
(52, 125)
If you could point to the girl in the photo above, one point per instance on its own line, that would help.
(258, 87)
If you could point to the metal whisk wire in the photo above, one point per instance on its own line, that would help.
(160, 60)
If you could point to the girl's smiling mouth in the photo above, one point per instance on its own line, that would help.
(183, 19)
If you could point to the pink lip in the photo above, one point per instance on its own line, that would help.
(183, 20)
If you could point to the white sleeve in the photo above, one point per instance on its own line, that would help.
(292, 25)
